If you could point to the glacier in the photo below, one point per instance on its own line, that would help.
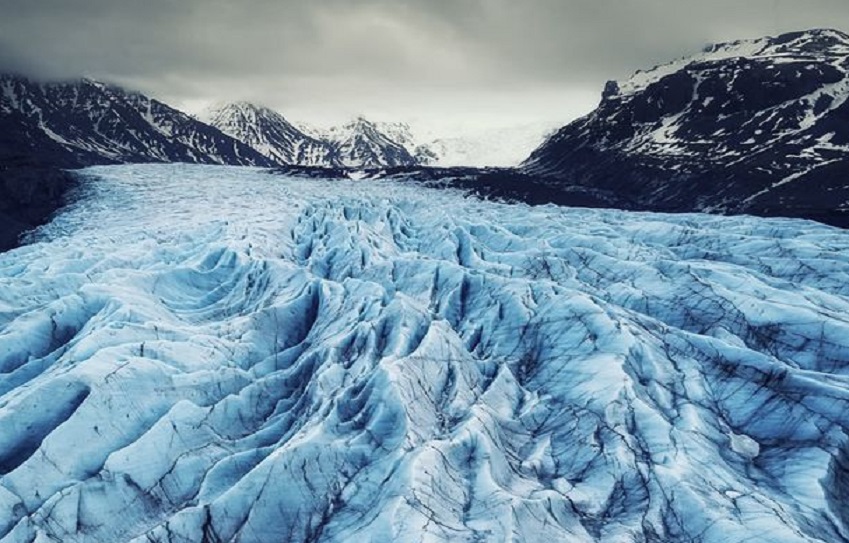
(206, 353)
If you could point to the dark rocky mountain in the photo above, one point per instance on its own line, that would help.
(758, 126)
(269, 133)
(47, 127)
(85, 122)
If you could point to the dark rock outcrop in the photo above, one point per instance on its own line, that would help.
(29, 195)
(759, 127)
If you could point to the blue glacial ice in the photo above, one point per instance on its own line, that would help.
(201, 353)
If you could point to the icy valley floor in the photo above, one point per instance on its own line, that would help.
(196, 353)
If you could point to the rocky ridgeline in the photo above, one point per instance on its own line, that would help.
(758, 126)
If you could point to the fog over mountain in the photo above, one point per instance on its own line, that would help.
(453, 65)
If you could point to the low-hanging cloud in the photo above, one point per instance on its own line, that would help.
(393, 52)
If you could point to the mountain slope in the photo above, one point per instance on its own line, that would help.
(386, 362)
(86, 122)
(361, 144)
(758, 126)
(357, 144)
(271, 134)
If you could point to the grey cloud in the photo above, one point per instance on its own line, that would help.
(293, 52)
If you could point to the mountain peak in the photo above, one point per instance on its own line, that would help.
(362, 143)
(358, 124)
(268, 132)
(359, 143)
(803, 42)
(804, 46)
(822, 35)
(93, 83)
(236, 109)
(85, 122)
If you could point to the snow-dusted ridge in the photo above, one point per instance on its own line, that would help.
(359, 143)
(279, 359)
(86, 122)
(815, 43)
(754, 126)
(269, 133)
(364, 143)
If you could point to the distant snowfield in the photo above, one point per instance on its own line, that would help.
(494, 147)
(200, 353)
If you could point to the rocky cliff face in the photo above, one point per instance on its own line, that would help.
(269, 133)
(85, 122)
(759, 126)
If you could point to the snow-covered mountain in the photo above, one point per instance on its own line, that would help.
(387, 362)
(86, 122)
(360, 143)
(268, 132)
(403, 133)
(757, 126)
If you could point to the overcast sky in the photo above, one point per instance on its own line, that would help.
(447, 62)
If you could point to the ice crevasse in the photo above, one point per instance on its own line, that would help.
(205, 353)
